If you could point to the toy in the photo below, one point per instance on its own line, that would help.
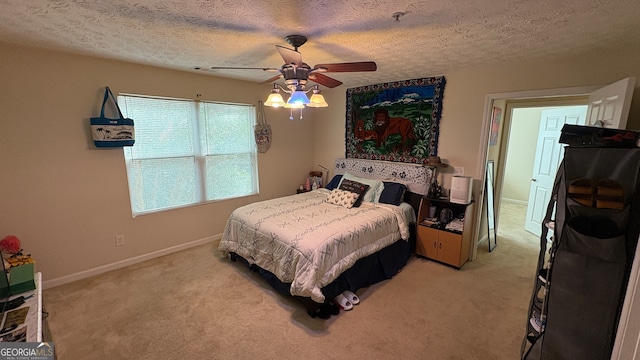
(10, 246)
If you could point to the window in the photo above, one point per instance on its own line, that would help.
(188, 152)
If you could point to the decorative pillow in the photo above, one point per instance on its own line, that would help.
(393, 193)
(334, 182)
(355, 187)
(342, 198)
(375, 186)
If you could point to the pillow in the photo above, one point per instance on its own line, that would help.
(393, 193)
(375, 186)
(354, 187)
(342, 198)
(334, 182)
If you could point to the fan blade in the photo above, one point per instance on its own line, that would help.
(349, 67)
(272, 79)
(290, 56)
(324, 80)
(239, 68)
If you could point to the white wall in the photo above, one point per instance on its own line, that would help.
(521, 153)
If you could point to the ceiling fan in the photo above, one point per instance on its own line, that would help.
(296, 73)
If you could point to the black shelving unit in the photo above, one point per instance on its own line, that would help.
(587, 247)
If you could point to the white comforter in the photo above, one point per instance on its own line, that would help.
(308, 242)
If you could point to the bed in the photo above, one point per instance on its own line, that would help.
(313, 246)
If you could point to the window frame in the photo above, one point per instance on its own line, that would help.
(199, 123)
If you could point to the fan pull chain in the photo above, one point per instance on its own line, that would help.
(291, 116)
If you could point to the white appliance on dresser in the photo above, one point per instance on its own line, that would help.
(461, 189)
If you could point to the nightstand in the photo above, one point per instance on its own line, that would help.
(435, 241)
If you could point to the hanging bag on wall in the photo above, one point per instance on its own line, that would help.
(262, 131)
(108, 132)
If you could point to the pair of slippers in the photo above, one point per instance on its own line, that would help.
(346, 300)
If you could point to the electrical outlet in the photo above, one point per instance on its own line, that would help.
(119, 240)
(458, 170)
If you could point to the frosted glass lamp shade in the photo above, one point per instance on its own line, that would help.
(298, 98)
(275, 100)
(317, 100)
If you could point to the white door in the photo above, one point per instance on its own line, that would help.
(549, 153)
(609, 106)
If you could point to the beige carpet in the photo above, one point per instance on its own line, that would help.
(197, 305)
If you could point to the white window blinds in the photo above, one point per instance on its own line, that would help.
(188, 152)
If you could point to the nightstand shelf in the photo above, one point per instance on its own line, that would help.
(436, 241)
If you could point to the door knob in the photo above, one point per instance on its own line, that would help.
(533, 179)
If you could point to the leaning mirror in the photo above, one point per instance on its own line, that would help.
(491, 220)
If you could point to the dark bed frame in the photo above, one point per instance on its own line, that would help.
(377, 267)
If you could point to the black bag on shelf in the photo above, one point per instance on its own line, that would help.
(589, 136)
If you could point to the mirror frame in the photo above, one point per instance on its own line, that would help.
(492, 236)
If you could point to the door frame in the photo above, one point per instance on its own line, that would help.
(484, 139)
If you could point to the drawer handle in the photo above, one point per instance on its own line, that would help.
(434, 245)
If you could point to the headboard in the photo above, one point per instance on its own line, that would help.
(416, 177)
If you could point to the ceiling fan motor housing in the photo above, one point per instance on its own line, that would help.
(295, 75)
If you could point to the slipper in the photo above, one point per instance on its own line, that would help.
(321, 312)
(342, 302)
(353, 298)
(332, 308)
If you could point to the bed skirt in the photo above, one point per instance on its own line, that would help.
(377, 267)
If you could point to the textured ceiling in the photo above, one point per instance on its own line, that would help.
(431, 38)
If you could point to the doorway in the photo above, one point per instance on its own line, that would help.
(532, 98)
(607, 106)
(533, 154)
(514, 150)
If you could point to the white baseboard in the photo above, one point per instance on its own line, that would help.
(123, 263)
(483, 239)
(514, 201)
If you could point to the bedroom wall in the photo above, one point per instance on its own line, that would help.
(464, 101)
(66, 200)
(521, 153)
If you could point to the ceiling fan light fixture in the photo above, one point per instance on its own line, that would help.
(317, 100)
